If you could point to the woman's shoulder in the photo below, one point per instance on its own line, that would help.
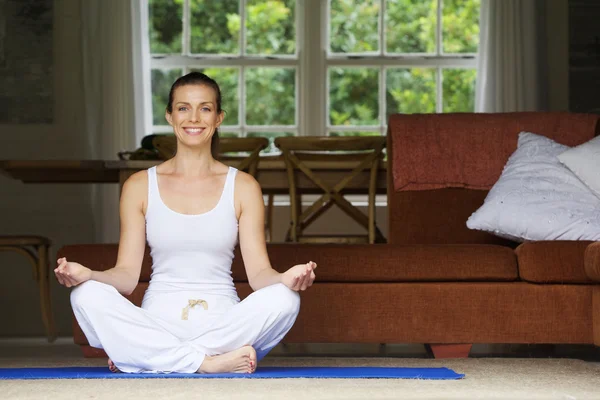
(246, 182)
(136, 184)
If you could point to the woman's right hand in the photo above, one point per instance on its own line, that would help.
(71, 273)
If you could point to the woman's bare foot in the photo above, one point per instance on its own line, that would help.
(112, 367)
(242, 361)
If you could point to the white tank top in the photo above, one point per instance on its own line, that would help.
(192, 252)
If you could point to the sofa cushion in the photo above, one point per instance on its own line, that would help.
(584, 161)
(553, 261)
(351, 263)
(387, 263)
(538, 198)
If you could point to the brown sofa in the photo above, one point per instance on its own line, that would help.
(437, 282)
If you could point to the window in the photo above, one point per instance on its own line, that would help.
(398, 56)
(315, 67)
(249, 47)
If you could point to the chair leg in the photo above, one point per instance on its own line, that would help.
(269, 223)
(44, 287)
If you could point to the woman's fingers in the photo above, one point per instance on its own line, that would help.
(303, 284)
(59, 277)
(61, 265)
(63, 275)
(294, 283)
(72, 281)
(63, 279)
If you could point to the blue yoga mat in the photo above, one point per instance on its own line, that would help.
(261, 372)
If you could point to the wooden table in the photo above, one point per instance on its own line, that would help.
(271, 173)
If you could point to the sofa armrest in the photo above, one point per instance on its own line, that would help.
(592, 261)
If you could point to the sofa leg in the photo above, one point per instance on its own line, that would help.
(92, 352)
(448, 350)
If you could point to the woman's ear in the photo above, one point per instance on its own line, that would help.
(169, 118)
(220, 118)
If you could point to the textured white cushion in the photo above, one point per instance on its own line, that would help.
(538, 198)
(584, 161)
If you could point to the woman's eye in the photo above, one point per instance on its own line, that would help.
(182, 108)
(205, 109)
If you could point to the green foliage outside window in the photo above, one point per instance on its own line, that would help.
(410, 27)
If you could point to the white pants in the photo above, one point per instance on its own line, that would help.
(155, 338)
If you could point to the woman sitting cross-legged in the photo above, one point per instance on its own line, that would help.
(191, 210)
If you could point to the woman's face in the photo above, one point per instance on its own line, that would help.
(194, 115)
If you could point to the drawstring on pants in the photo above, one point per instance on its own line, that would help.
(191, 304)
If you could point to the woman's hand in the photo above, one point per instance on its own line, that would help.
(71, 273)
(299, 277)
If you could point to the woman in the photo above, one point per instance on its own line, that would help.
(190, 209)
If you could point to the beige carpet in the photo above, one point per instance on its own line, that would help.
(486, 378)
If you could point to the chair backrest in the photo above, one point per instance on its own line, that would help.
(243, 153)
(165, 145)
(300, 152)
(441, 166)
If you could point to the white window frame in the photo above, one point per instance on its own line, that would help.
(312, 62)
(187, 61)
(384, 61)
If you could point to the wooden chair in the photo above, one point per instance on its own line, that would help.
(35, 250)
(231, 147)
(298, 152)
(234, 151)
(242, 152)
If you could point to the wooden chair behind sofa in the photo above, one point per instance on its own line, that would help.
(297, 151)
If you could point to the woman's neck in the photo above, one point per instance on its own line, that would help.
(191, 163)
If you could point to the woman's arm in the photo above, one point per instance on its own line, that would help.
(125, 275)
(260, 274)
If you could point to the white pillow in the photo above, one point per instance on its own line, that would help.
(584, 161)
(538, 198)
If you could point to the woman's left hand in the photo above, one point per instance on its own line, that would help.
(299, 277)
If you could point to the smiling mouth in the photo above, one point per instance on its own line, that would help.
(193, 131)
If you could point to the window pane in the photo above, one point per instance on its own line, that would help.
(353, 26)
(270, 27)
(165, 26)
(215, 26)
(458, 90)
(270, 96)
(410, 26)
(271, 136)
(338, 134)
(410, 90)
(460, 26)
(227, 79)
(353, 96)
(162, 80)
